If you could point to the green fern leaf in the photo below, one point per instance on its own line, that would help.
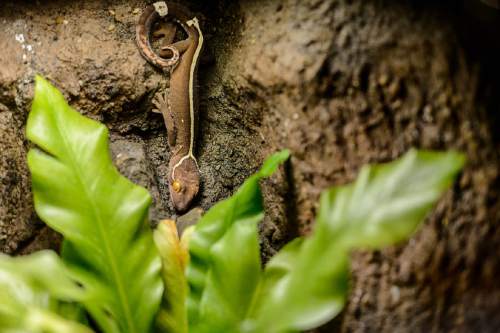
(102, 215)
(37, 295)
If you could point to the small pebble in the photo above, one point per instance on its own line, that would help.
(111, 27)
(136, 11)
(427, 115)
(397, 104)
(395, 294)
(161, 8)
(383, 79)
(111, 12)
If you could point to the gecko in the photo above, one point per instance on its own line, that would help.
(178, 105)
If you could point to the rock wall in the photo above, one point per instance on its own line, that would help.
(341, 83)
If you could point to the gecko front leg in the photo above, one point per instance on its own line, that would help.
(161, 102)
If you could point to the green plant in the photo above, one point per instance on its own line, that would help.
(306, 283)
(111, 277)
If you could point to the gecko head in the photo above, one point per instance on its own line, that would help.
(185, 185)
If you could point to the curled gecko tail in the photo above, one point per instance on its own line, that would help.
(143, 33)
(180, 12)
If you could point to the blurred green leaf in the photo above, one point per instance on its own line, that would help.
(102, 215)
(224, 267)
(306, 284)
(36, 292)
(387, 202)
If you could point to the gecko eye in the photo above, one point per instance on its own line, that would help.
(176, 186)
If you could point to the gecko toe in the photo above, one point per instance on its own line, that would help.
(157, 103)
(164, 96)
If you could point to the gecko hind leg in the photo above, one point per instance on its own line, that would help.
(167, 31)
(180, 46)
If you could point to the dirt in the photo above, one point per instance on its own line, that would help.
(341, 83)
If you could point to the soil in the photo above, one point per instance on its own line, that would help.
(341, 83)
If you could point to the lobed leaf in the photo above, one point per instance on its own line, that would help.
(387, 202)
(306, 284)
(36, 293)
(224, 267)
(102, 215)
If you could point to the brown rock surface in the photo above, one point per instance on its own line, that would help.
(341, 83)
